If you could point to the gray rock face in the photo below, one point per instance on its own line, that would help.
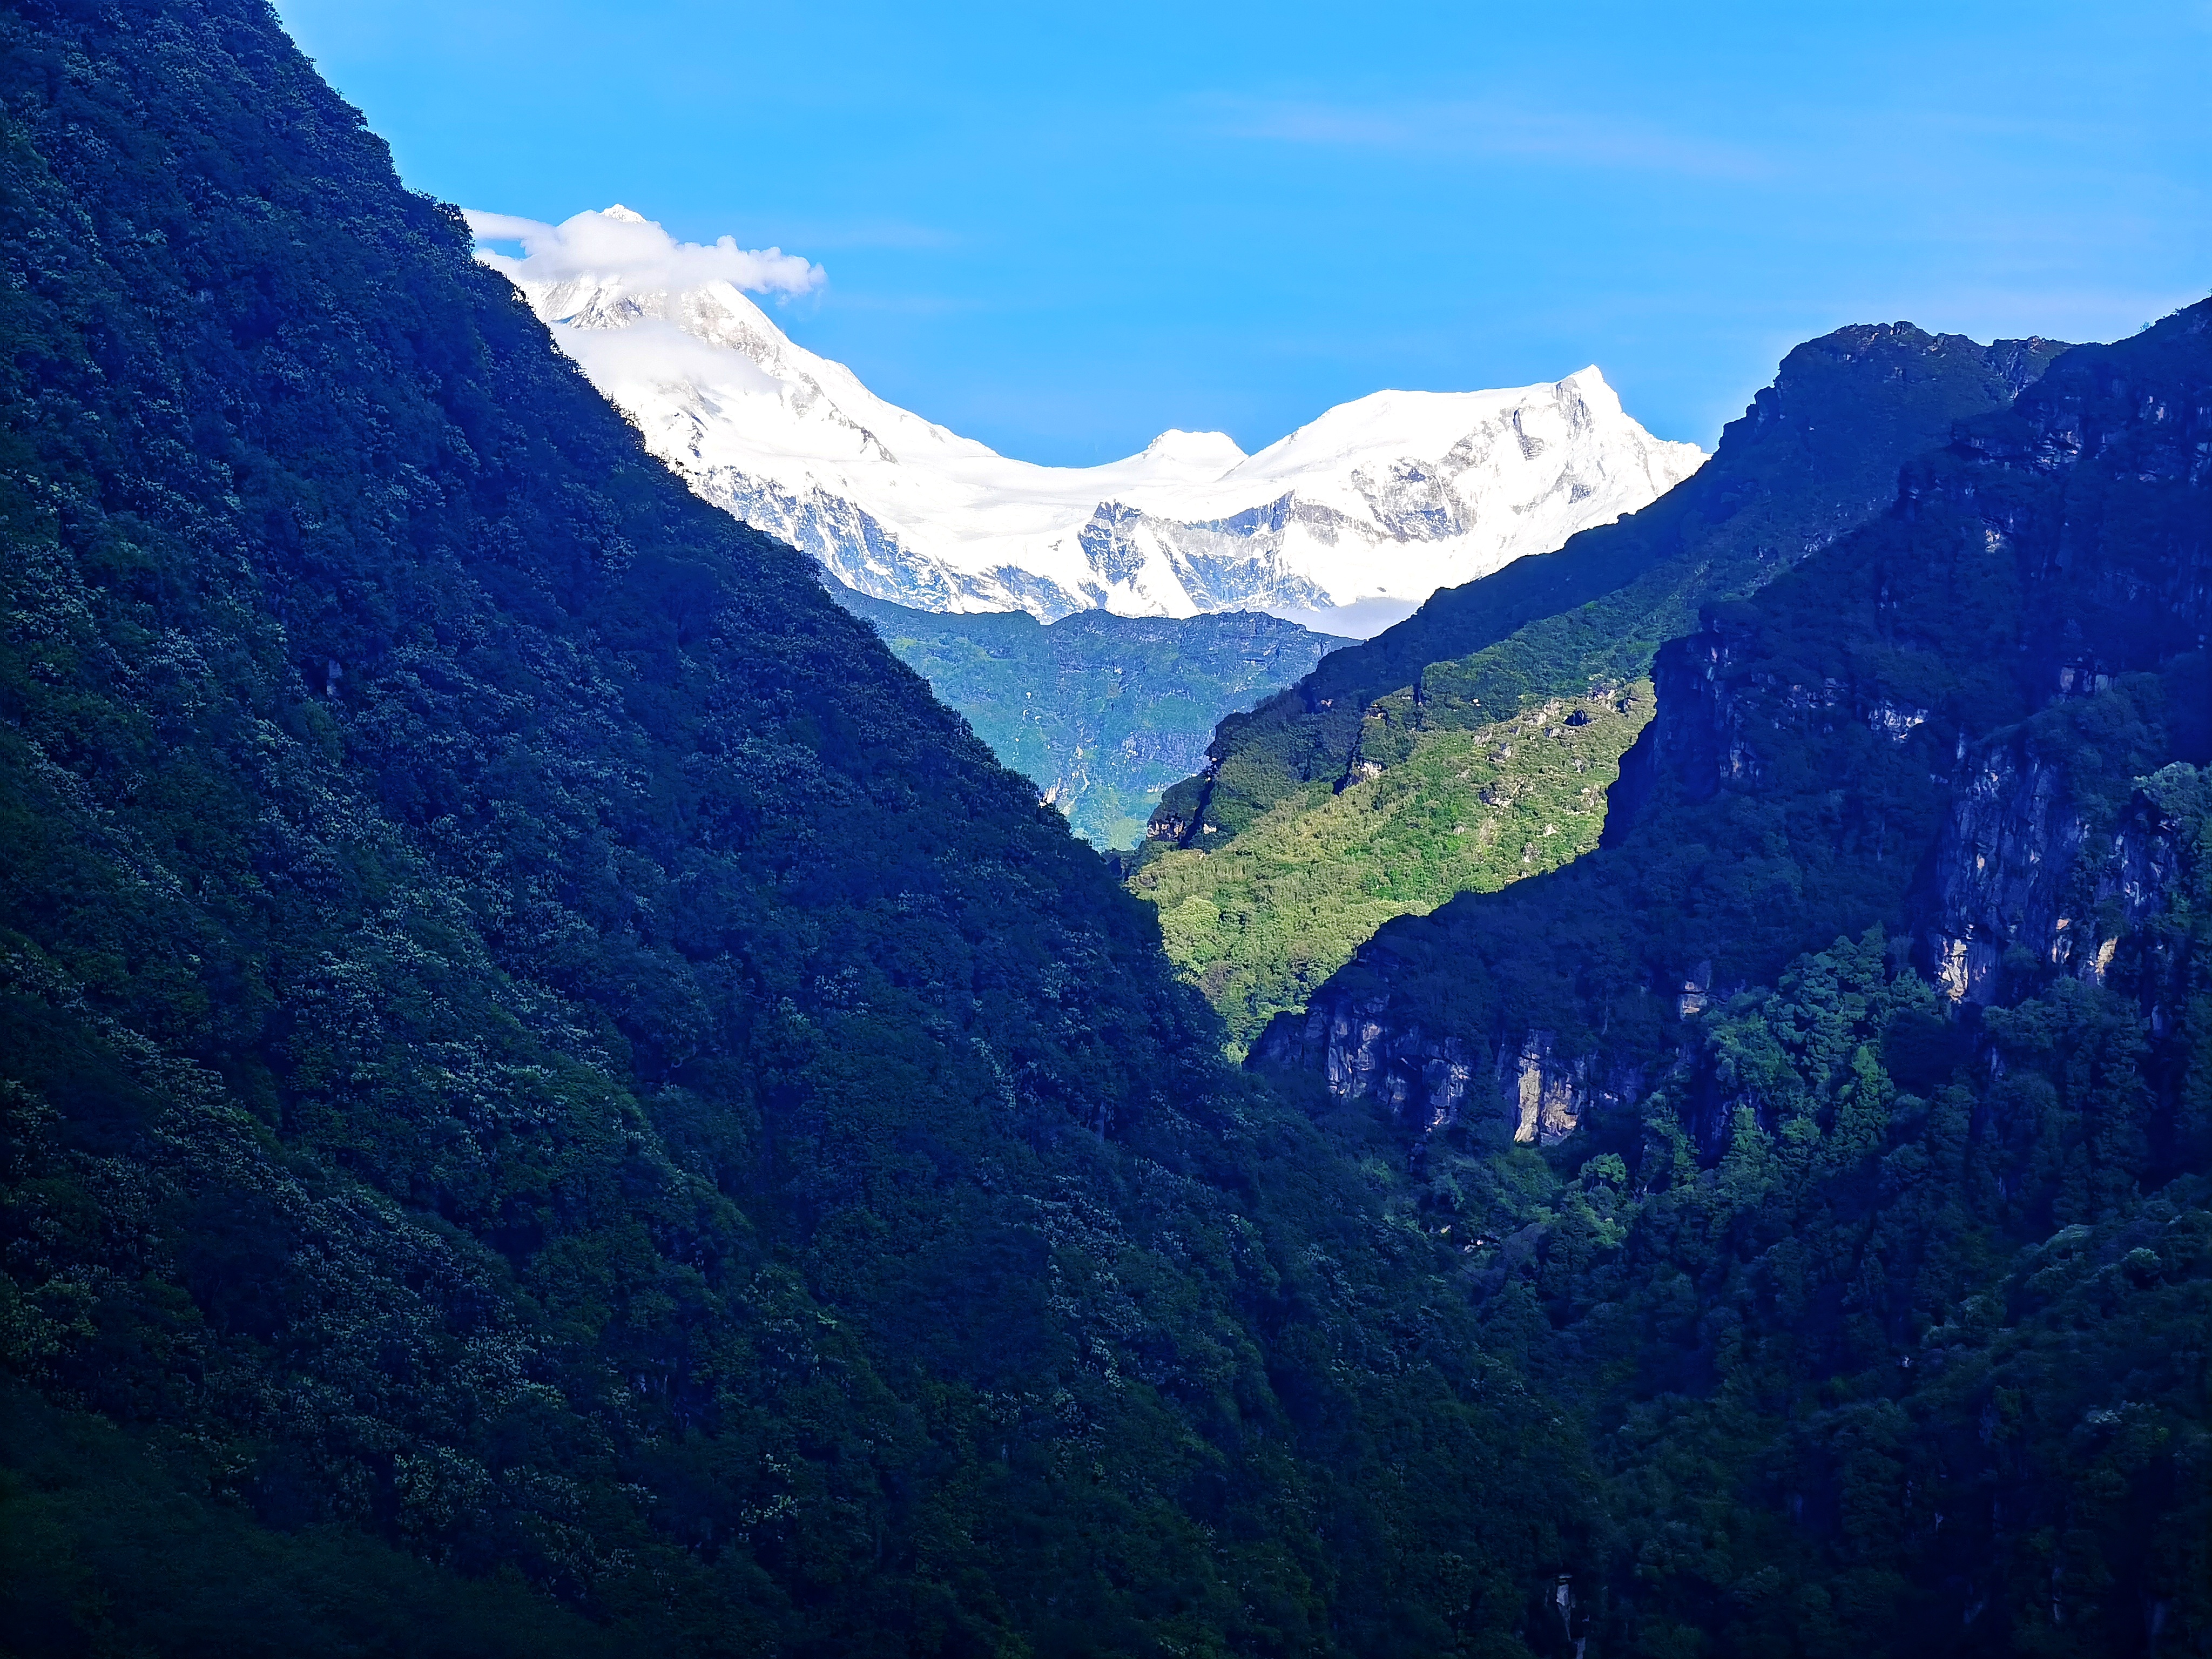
(1550, 1095)
(1223, 564)
(1708, 705)
(1696, 733)
(1433, 1083)
(2017, 869)
(868, 555)
(1413, 1078)
(2007, 851)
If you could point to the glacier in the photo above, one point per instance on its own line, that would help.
(1346, 524)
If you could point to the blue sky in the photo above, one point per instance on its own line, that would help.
(1063, 228)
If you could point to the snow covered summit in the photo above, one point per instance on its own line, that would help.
(1385, 499)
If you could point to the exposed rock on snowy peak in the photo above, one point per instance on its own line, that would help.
(1383, 499)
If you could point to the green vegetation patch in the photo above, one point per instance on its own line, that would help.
(1262, 923)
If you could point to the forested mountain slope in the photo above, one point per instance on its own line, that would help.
(1836, 1136)
(553, 1099)
(1475, 710)
(1102, 711)
(1811, 743)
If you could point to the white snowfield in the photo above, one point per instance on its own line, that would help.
(1375, 505)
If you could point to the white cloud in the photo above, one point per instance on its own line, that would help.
(618, 243)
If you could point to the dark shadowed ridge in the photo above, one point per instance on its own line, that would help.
(530, 1046)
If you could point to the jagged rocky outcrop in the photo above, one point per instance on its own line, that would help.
(1709, 693)
(1416, 1079)
(2021, 869)
(1550, 1093)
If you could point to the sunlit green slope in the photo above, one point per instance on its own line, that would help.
(1261, 921)
(1816, 453)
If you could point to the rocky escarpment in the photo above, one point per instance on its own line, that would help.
(1430, 1083)
(1713, 688)
(1416, 1079)
(1695, 734)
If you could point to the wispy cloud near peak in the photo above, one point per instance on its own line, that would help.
(620, 243)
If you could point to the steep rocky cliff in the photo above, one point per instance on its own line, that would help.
(1918, 729)
(1432, 1082)
(2027, 879)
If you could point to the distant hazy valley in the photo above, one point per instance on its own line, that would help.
(1102, 711)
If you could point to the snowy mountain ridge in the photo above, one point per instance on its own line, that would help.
(1375, 503)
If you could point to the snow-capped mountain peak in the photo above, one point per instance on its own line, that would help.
(1385, 498)
(1212, 453)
